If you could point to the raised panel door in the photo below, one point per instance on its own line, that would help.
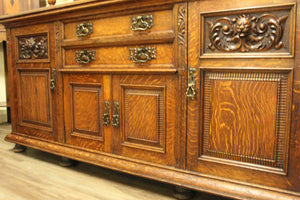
(84, 107)
(35, 103)
(147, 118)
(34, 91)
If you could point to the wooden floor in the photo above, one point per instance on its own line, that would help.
(36, 175)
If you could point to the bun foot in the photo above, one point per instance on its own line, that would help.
(182, 193)
(66, 162)
(19, 148)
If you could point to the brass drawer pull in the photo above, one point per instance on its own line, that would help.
(84, 29)
(85, 56)
(116, 116)
(141, 22)
(106, 120)
(191, 91)
(142, 54)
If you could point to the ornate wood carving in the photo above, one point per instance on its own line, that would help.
(247, 33)
(181, 25)
(57, 37)
(262, 31)
(35, 47)
(237, 134)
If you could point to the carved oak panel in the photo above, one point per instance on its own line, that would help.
(144, 117)
(34, 99)
(83, 107)
(33, 47)
(245, 117)
(267, 31)
(86, 110)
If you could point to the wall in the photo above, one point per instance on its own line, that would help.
(45, 2)
(2, 85)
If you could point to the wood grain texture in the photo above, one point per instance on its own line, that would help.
(35, 105)
(228, 101)
(48, 180)
(121, 25)
(120, 55)
(144, 116)
(151, 99)
(84, 104)
(211, 184)
(86, 101)
(245, 117)
(237, 137)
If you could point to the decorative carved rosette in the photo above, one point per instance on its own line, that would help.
(246, 33)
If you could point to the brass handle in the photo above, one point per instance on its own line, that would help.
(142, 54)
(116, 116)
(85, 56)
(141, 22)
(84, 29)
(52, 84)
(191, 91)
(106, 120)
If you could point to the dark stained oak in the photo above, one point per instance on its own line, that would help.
(87, 86)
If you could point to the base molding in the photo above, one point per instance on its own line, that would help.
(157, 172)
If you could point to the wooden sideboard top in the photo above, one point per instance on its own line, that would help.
(75, 9)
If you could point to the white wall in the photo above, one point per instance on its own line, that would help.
(61, 2)
(2, 85)
(2, 75)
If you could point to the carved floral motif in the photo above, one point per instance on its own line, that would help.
(246, 33)
(181, 25)
(35, 47)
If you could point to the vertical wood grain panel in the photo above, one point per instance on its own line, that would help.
(83, 111)
(86, 109)
(147, 118)
(245, 117)
(144, 116)
(34, 98)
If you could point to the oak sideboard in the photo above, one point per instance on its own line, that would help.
(204, 95)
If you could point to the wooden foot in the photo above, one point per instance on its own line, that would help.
(19, 148)
(66, 162)
(183, 193)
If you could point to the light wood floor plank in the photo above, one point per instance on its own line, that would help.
(36, 175)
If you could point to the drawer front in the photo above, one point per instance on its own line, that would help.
(129, 24)
(123, 56)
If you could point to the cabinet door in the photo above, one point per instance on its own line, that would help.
(32, 72)
(147, 119)
(35, 103)
(84, 107)
(239, 120)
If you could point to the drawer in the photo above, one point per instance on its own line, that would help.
(122, 56)
(150, 21)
